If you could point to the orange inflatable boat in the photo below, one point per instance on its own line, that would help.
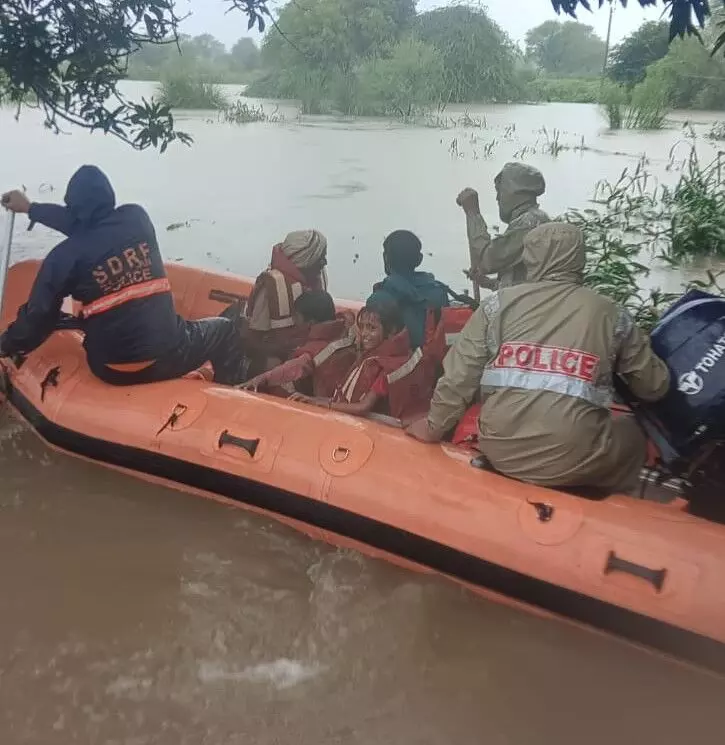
(645, 569)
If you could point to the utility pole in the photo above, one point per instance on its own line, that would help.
(609, 36)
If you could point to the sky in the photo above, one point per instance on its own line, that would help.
(515, 16)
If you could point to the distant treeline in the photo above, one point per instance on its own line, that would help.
(382, 57)
(202, 57)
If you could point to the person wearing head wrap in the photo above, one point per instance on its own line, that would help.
(543, 355)
(297, 265)
(518, 187)
(413, 291)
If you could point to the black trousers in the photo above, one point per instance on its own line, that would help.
(215, 340)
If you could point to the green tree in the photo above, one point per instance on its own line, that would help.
(692, 77)
(681, 11)
(69, 57)
(205, 49)
(479, 58)
(412, 77)
(245, 54)
(566, 49)
(630, 59)
(316, 46)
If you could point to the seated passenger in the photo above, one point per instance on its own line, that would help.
(518, 186)
(416, 293)
(544, 353)
(385, 377)
(110, 262)
(327, 354)
(297, 266)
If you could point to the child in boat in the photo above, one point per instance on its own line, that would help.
(327, 354)
(385, 375)
(416, 293)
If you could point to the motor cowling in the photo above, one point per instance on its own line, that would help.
(690, 338)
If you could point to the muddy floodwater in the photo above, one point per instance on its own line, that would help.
(137, 615)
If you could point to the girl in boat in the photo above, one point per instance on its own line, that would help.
(326, 355)
(386, 377)
(297, 266)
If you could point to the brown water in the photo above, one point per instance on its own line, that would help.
(136, 615)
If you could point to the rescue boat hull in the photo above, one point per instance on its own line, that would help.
(646, 571)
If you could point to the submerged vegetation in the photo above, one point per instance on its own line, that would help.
(241, 112)
(186, 91)
(635, 220)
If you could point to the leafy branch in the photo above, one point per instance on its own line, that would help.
(67, 59)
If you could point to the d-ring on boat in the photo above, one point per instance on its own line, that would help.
(644, 569)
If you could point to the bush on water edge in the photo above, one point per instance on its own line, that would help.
(635, 217)
(186, 91)
(241, 112)
(564, 90)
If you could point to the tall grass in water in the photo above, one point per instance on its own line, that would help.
(613, 100)
(697, 208)
(625, 222)
(634, 220)
(645, 107)
(241, 112)
(183, 90)
(649, 104)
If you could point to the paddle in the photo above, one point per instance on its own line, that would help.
(5, 255)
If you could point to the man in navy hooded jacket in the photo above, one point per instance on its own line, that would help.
(110, 262)
(414, 292)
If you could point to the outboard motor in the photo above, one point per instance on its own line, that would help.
(690, 338)
(688, 425)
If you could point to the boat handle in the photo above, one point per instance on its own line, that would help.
(239, 442)
(617, 564)
(222, 296)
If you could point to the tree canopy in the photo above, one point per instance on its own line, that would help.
(685, 15)
(479, 58)
(566, 49)
(67, 58)
(202, 56)
(347, 52)
(629, 60)
(313, 51)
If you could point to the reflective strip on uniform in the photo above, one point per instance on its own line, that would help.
(532, 380)
(134, 292)
(286, 296)
(280, 287)
(406, 368)
(324, 354)
(348, 387)
(281, 323)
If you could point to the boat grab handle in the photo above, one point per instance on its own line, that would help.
(249, 445)
(222, 296)
(617, 564)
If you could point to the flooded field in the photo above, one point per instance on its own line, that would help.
(137, 615)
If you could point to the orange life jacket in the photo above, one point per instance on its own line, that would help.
(333, 352)
(283, 283)
(409, 376)
(452, 321)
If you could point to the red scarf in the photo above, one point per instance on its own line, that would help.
(282, 263)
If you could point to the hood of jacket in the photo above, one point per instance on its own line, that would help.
(517, 188)
(413, 288)
(554, 252)
(89, 196)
